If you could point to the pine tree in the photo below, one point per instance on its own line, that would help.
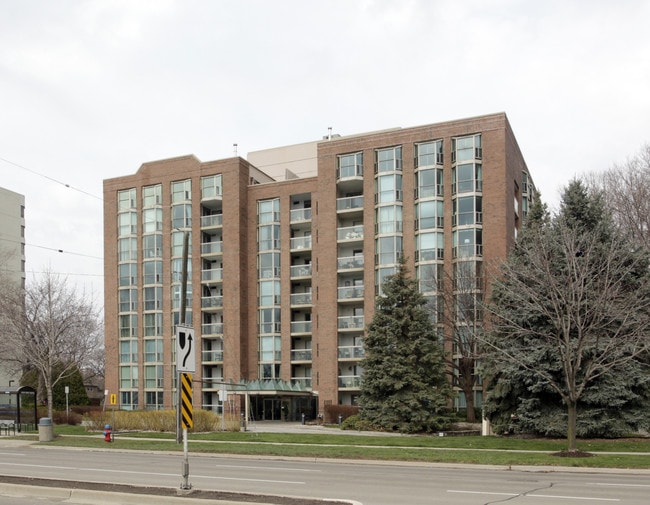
(404, 386)
(570, 324)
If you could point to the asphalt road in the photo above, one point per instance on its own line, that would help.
(356, 482)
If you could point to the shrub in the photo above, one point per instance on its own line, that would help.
(354, 422)
(72, 418)
(155, 420)
(332, 412)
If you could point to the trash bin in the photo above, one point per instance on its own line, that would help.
(45, 429)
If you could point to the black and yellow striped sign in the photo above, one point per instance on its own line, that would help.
(186, 400)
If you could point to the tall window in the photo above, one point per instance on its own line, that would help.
(428, 154)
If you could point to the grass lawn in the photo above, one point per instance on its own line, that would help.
(433, 449)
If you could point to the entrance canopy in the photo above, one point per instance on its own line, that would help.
(18, 406)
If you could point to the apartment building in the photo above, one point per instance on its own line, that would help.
(12, 253)
(287, 252)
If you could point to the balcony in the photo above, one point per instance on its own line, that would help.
(350, 381)
(350, 263)
(300, 243)
(350, 234)
(212, 302)
(212, 275)
(301, 355)
(212, 356)
(305, 382)
(211, 329)
(212, 221)
(300, 215)
(351, 352)
(349, 204)
(350, 293)
(350, 322)
(300, 299)
(300, 327)
(300, 271)
(212, 248)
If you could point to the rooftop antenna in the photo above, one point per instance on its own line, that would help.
(234, 146)
(329, 133)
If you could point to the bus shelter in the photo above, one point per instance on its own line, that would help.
(18, 409)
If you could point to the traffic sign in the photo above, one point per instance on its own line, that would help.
(113, 399)
(185, 349)
(186, 400)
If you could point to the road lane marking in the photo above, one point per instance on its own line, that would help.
(525, 495)
(266, 468)
(134, 472)
(617, 484)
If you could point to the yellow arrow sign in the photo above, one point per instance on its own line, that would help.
(186, 400)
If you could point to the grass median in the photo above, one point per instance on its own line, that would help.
(630, 453)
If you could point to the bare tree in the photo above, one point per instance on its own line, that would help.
(627, 190)
(49, 328)
(572, 304)
(463, 316)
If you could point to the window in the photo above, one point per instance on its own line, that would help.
(151, 195)
(152, 220)
(211, 186)
(269, 321)
(468, 210)
(128, 326)
(388, 160)
(153, 400)
(388, 188)
(269, 294)
(429, 246)
(429, 183)
(389, 219)
(268, 211)
(128, 351)
(153, 324)
(128, 300)
(181, 191)
(428, 215)
(126, 200)
(128, 377)
(428, 153)
(153, 350)
(269, 265)
(268, 237)
(152, 246)
(468, 242)
(152, 272)
(153, 376)
(128, 248)
(388, 250)
(350, 165)
(466, 148)
(182, 215)
(177, 244)
(127, 223)
(270, 348)
(153, 298)
(467, 177)
(128, 274)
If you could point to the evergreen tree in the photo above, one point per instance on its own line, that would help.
(570, 325)
(404, 386)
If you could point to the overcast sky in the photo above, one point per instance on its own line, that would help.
(90, 90)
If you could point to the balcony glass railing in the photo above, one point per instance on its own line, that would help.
(301, 271)
(350, 322)
(350, 233)
(298, 215)
(212, 329)
(214, 274)
(300, 243)
(300, 326)
(212, 356)
(211, 302)
(301, 299)
(301, 381)
(301, 355)
(349, 381)
(212, 221)
(348, 292)
(349, 203)
(351, 352)
(350, 263)
(212, 247)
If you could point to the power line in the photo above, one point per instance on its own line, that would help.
(50, 179)
(65, 252)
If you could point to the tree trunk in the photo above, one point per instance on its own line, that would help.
(470, 416)
(572, 424)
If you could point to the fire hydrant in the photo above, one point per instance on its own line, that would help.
(108, 434)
